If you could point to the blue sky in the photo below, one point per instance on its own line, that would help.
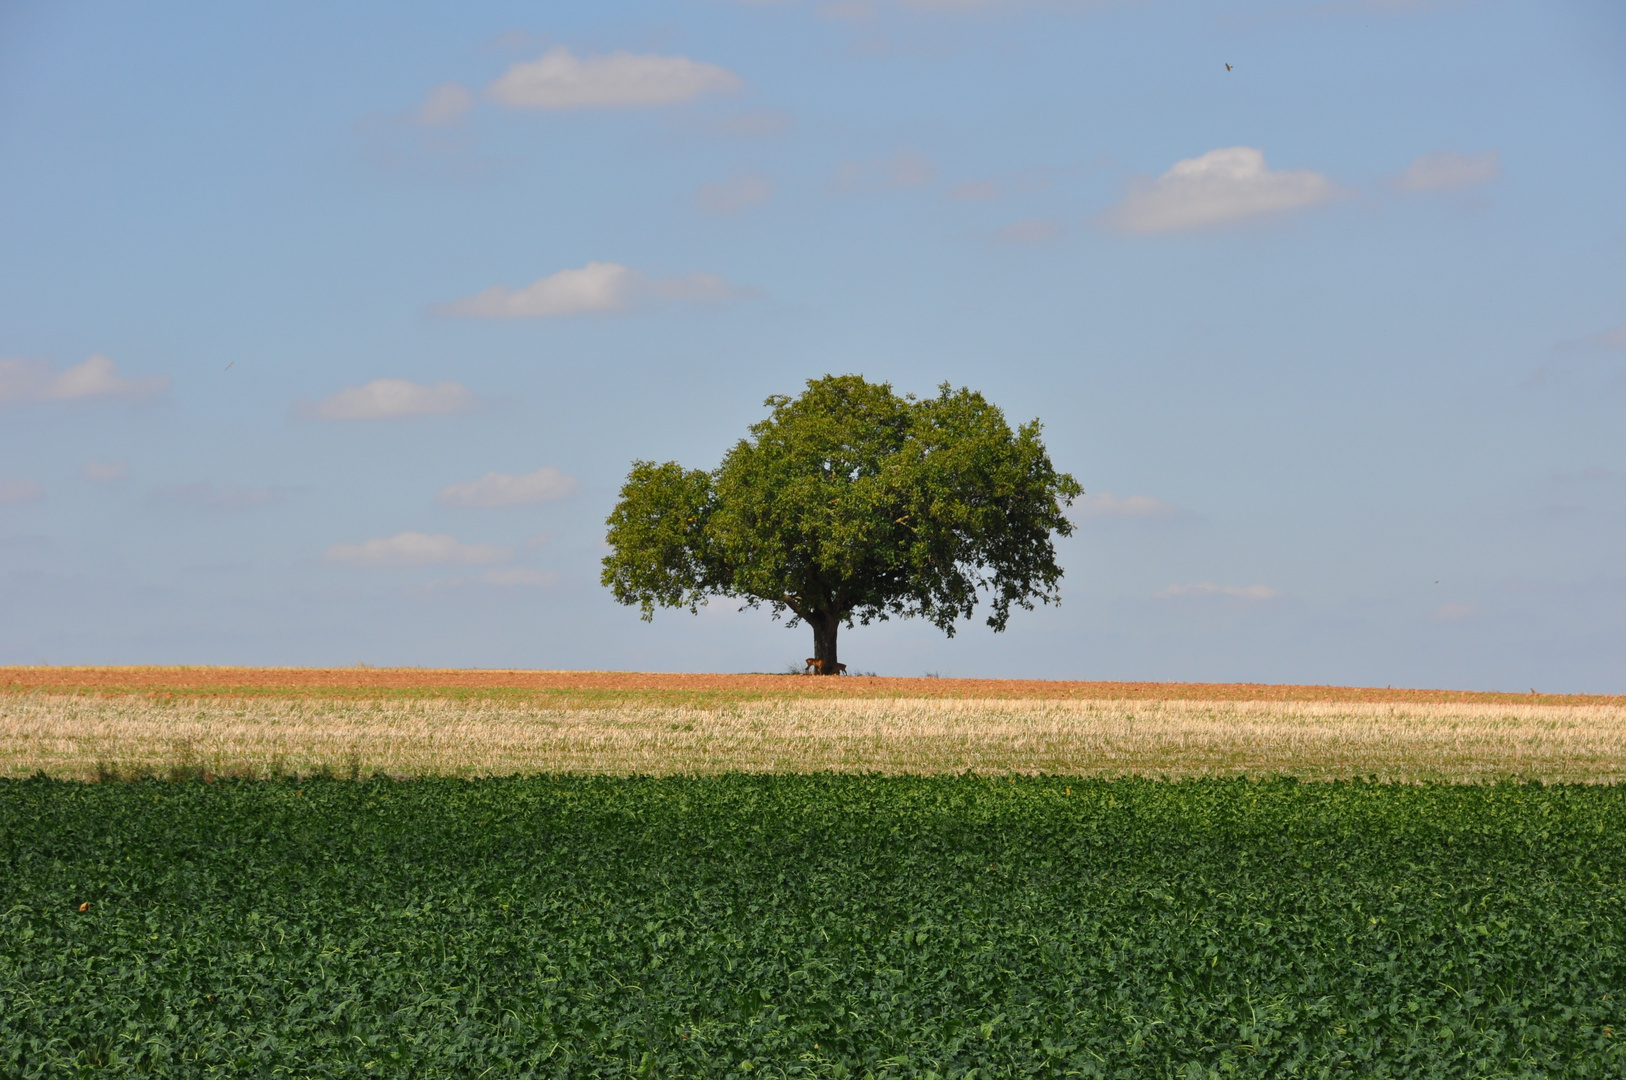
(328, 332)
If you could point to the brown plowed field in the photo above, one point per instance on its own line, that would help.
(594, 688)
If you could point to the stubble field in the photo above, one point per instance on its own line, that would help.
(589, 874)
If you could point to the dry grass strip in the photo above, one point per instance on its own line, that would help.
(89, 737)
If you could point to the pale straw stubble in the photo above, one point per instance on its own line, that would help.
(87, 737)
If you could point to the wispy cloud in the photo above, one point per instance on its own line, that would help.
(1454, 612)
(1104, 504)
(208, 495)
(974, 191)
(1240, 592)
(445, 104)
(495, 489)
(905, 169)
(520, 575)
(104, 472)
(385, 398)
(415, 549)
(866, 9)
(97, 377)
(597, 288)
(1221, 187)
(1612, 338)
(1446, 171)
(734, 194)
(561, 80)
(758, 123)
(20, 491)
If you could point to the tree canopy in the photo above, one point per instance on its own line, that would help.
(848, 503)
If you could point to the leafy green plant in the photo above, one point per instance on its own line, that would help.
(812, 926)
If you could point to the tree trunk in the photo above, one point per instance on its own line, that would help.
(824, 641)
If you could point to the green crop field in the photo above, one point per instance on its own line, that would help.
(811, 926)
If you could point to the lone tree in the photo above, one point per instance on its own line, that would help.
(850, 502)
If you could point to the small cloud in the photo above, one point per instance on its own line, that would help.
(415, 549)
(1449, 171)
(1028, 180)
(1104, 504)
(446, 104)
(97, 377)
(735, 194)
(539, 541)
(495, 489)
(519, 575)
(104, 472)
(1454, 612)
(1241, 592)
(386, 398)
(1220, 187)
(909, 170)
(207, 495)
(1029, 232)
(904, 169)
(1613, 338)
(596, 288)
(560, 80)
(20, 491)
(974, 191)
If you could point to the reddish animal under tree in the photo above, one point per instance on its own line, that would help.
(815, 666)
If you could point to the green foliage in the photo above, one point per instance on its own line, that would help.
(811, 926)
(850, 502)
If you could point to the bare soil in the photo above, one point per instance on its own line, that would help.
(600, 688)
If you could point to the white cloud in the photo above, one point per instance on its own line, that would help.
(445, 104)
(735, 194)
(496, 489)
(559, 80)
(20, 491)
(1241, 592)
(31, 380)
(1033, 231)
(104, 472)
(415, 549)
(1104, 504)
(384, 398)
(1221, 186)
(596, 288)
(519, 575)
(1449, 171)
